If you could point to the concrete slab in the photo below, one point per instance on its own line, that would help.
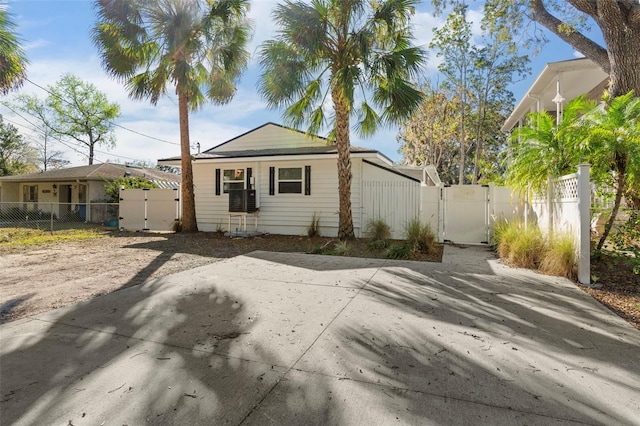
(271, 338)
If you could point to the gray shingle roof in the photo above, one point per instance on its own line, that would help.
(271, 152)
(95, 172)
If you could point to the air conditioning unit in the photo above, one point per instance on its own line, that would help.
(242, 200)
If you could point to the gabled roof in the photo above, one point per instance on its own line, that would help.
(577, 77)
(253, 140)
(95, 172)
(267, 124)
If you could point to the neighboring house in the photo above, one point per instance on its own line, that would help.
(294, 177)
(557, 84)
(70, 189)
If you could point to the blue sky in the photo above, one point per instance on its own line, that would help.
(57, 41)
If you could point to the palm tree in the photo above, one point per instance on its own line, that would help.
(196, 45)
(13, 61)
(612, 146)
(331, 48)
(542, 148)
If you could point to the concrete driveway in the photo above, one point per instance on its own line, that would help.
(283, 339)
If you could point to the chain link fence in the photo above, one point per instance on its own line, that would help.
(58, 216)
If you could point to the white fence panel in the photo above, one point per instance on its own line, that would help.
(394, 202)
(430, 208)
(466, 212)
(566, 209)
(149, 209)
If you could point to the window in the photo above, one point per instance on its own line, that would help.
(233, 179)
(290, 180)
(30, 194)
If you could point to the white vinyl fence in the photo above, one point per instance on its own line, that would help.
(566, 209)
(397, 203)
(149, 209)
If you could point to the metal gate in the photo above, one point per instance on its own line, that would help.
(466, 214)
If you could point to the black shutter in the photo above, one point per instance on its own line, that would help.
(307, 180)
(249, 172)
(272, 181)
(217, 181)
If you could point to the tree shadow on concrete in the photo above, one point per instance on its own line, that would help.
(177, 350)
(528, 343)
(529, 346)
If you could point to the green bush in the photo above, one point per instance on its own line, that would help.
(400, 251)
(420, 237)
(112, 187)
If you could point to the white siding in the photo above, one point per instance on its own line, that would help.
(288, 214)
(269, 137)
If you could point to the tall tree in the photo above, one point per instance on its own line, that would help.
(13, 61)
(496, 63)
(570, 20)
(81, 113)
(197, 46)
(16, 155)
(430, 135)
(329, 49)
(453, 43)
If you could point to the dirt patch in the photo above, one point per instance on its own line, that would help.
(38, 279)
(619, 287)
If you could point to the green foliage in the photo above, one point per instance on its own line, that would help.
(498, 230)
(542, 149)
(16, 155)
(420, 236)
(400, 251)
(313, 230)
(625, 240)
(112, 187)
(559, 258)
(76, 111)
(13, 60)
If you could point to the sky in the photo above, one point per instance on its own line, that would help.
(56, 39)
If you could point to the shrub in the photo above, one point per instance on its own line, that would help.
(500, 226)
(341, 248)
(313, 230)
(378, 230)
(400, 251)
(560, 257)
(420, 237)
(527, 248)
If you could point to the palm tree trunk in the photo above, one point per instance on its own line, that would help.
(621, 163)
(345, 221)
(189, 223)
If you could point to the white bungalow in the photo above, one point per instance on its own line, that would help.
(294, 178)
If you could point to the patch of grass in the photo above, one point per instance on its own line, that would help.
(313, 230)
(498, 230)
(341, 248)
(15, 237)
(560, 257)
(420, 237)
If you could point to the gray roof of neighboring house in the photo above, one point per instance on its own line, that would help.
(272, 152)
(96, 172)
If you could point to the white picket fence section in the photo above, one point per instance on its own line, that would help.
(149, 209)
(565, 208)
(396, 203)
